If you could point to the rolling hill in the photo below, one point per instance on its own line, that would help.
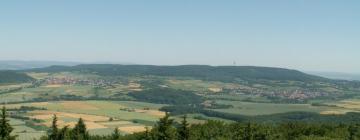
(21, 65)
(214, 73)
(13, 77)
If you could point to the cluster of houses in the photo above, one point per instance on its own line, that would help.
(75, 81)
(295, 94)
(300, 94)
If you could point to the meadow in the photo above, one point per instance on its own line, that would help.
(24, 132)
(252, 109)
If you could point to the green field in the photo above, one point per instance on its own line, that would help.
(24, 132)
(47, 92)
(96, 113)
(248, 108)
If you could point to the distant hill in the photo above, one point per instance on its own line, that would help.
(338, 75)
(13, 77)
(21, 65)
(218, 73)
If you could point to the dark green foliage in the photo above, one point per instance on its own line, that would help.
(116, 134)
(54, 131)
(14, 77)
(211, 130)
(164, 129)
(183, 130)
(354, 132)
(5, 127)
(79, 132)
(147, 135)
(219, 106)
(64, 133)
(167, 96)
(249, 131)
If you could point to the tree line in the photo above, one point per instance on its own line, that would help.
(168, 129)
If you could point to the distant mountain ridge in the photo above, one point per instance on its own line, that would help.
(338, 75)
(21, 65)
(218, 73)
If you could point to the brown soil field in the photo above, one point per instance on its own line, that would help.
(132, 129)
(213, 89)
(151, 112)
(53, 86)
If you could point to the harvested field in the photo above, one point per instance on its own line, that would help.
(333, 112)
(134, 85)
(116, 123)
(215, 89)
(40, 104)
(48, 114)
(90, 120)
(89, 125)
(132, 129)
(53, 86)
(151, 112)
(349, 104)
(96, 114)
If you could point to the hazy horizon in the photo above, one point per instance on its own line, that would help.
(303, 35)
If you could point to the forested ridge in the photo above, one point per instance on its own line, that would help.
(7, 76)
(217, 73)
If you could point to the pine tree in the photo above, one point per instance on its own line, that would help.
(247, 132)
(353, 130)
(79, 132)
(5, 127)
(116, 134)
(63, 133)
(164, 129)
(183, 130)
(53, 132)
(147, 135)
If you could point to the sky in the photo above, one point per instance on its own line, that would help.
(311, 35)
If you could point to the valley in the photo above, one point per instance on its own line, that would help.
(133, 98)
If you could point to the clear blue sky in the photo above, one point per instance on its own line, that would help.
(315, 35)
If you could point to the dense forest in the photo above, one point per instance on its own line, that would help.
(168, 129)
(14, 77)
(167, 96)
